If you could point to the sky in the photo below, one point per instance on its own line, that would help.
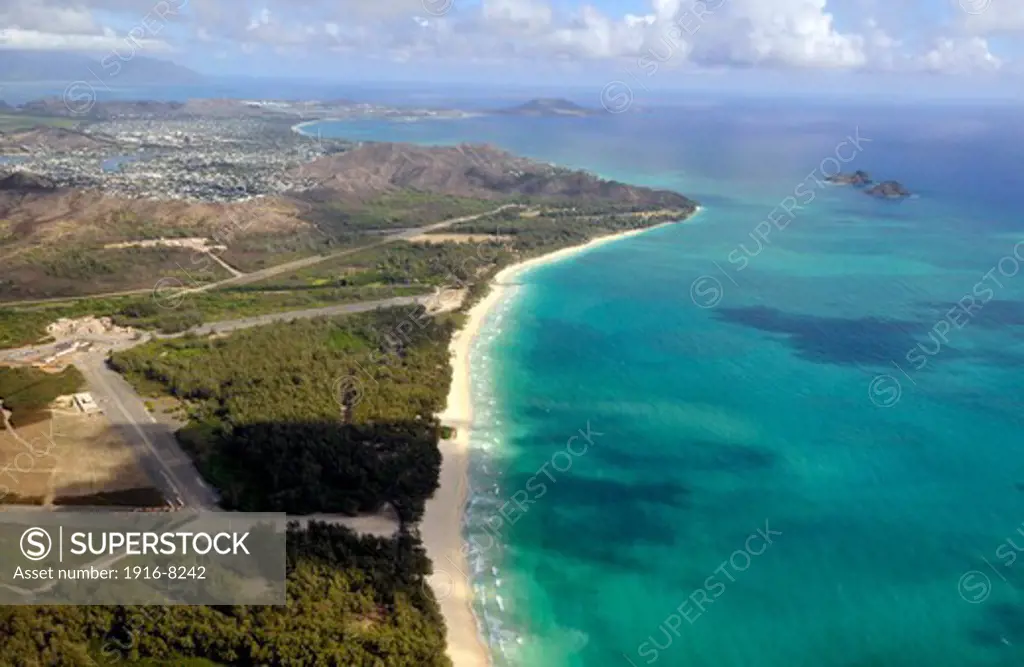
(898, 45)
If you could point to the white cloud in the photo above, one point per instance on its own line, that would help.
(708, 34)
(743, 33)
(788, 33)
(37, 16)
(16, 38)
(527, 16)
(959, 56)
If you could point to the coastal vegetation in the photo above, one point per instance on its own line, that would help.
(323, 415)
(540, 230)
(165, 313)
(500, 239)
(353, 601)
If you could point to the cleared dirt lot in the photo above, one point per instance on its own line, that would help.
(70, 458)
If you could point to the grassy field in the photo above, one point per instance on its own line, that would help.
(26, 325)
(13, 122)
(28, 392)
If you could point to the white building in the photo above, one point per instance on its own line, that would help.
(86, 403)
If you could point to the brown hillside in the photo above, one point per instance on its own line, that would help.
(51, 138)
(469, 170)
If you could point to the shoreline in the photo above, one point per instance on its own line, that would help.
(300, 128)
(442, 525)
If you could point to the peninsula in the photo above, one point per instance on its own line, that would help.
(325, 291)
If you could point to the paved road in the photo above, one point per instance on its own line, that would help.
(287, 316)
(156, 447)
(106, 343)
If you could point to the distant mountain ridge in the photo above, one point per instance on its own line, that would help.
(110, 70)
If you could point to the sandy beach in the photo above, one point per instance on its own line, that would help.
(442, 524)
(300, 128)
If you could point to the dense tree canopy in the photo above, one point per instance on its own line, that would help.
(352, 602)
(325, 415)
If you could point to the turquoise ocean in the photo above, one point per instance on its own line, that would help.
(805, 427)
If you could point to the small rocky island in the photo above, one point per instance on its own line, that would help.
(861, 179)
(889, 190)
(856, 178)
(548, 106)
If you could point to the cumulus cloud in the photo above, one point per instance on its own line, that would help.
(43, 18)
(940, 55)
(16, 38)
(671, 33)
(959, 56)
(72, 25)
(788, 33)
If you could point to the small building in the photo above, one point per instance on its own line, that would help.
(86, 403)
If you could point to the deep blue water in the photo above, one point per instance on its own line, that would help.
(811, 379)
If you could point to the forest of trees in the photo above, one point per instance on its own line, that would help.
(553, 228)
(324, 415)
(351, 602)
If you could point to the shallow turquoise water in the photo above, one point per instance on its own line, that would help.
(783, 397)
